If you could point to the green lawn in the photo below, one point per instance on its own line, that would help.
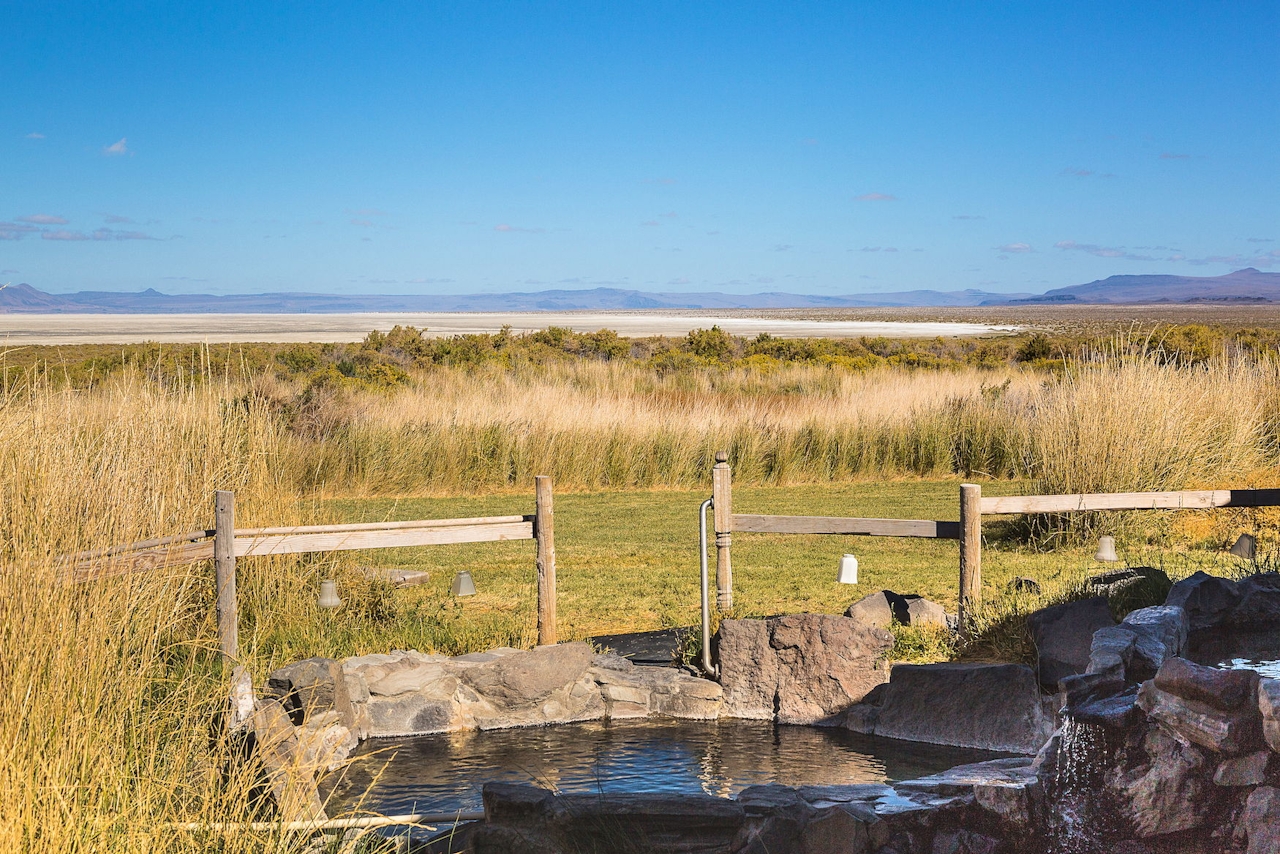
(628, 561)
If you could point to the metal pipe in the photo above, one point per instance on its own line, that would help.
(707, 667)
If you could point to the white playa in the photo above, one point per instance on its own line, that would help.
(18, 329)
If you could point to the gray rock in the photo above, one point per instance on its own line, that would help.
(1202, 724)
(1207, 599)
(290, 778)
(922, 612)
(1269, 706)
(1161, 634)
(885, 607)
(835, 830)
(410, 714)
(987, 706)
(881, 609)
(1111, 651)
(1261, 820)
(524, 678)
(1250, 770)
(1022, 584)
(1168, 792)
(804, 668)
(1101, 699)
(1063, 635)
(309, 687)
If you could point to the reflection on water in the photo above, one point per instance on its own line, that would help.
(441, 773)
(1268, 669)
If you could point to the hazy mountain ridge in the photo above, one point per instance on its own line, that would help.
(1247, 285)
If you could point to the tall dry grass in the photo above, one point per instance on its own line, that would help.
(107, 690)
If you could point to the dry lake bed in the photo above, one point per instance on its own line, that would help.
(18, 329)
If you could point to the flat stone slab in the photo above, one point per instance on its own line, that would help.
(662, 648)
(986, 706)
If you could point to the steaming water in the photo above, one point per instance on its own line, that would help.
(444, 773)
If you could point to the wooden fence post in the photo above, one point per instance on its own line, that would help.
(722, 496)
(224, 562)
(970, 551)
(544, 532)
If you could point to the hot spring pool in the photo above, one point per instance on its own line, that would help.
(444, 773)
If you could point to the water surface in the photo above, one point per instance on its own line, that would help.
(443, 773)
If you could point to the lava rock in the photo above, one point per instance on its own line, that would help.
(1168, 792)
(1269, 706)
(1226, 732)
(1259, 606)
(1063, 635)
(1261, 820)
(1161, 634)
(1227, 690)
(1207, 599)
(1250, 770)
(802, 668)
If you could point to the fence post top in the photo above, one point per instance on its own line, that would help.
(722, 456)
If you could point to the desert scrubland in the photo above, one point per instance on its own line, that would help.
(108, 688)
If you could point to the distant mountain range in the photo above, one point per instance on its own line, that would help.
(1242, 286)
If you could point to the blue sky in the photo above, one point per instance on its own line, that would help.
(465, 147)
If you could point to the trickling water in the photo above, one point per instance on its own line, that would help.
(1081, 820)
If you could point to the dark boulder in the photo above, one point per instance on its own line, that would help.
(1063, 635)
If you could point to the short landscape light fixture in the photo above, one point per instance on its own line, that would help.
(848, 570)
(1106, 550)
(1246, 546)
(329, 595)
(463, 585)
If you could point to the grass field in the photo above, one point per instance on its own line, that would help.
(628, 561)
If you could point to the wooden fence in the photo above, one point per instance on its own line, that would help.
(224, 543)
(968, 530)
(727, 523)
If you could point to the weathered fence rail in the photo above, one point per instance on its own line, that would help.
(968, 530)
(224, 543)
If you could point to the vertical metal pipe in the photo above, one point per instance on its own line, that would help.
(970, 552)
(707, 667)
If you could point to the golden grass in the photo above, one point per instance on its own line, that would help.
(107, 690)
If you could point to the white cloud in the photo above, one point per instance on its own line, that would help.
(875, 197)
(44, 219)
(35, 135)
(1101, 251)
(116, 149)
(508, 229)
(1015, 247)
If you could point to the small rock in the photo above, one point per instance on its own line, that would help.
(1261, 820)
(1248, 770)
(922, 612)
(1101, 699)
(1111, 651)
(881, 609)
(1063, 635)
(1024, 585)
(1207, 599)
(1259, 606)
